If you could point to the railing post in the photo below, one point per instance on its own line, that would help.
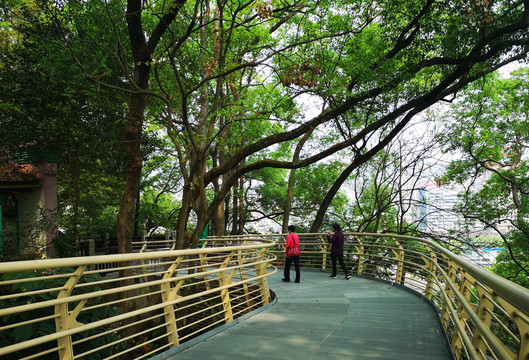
(143, 248)
(203, 260)
(400, 262)
(64, 320)
(445, 312)
(224, 293)
(241, 261)
(484, 312)
(169, 294)
(360, 250)
(173, 237)
(260, 270)
(457, 341)
(323, 254)
(430, 263)
(143, 240)
(522, 322)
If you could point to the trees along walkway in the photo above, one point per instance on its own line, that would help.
(322, 318)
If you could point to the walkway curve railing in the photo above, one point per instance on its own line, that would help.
(484, 316)
(138, 305)
(129, 306)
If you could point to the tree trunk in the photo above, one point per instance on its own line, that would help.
(141, 51)
(77, 194)
(291, 182)
(241, 206)
(219, 221)
(201, 207)
(136, 231)
(133, 132)
(288, 201)
(235, 211)
(183, 215)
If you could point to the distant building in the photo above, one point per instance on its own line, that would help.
(483, 257)
(434, 214)
(435, 206)
(434, 209)
(28, 204)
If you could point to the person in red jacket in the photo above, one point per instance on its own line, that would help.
(337, 240)
(292, 254)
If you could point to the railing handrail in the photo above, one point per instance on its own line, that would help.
(518, 294)
(25, 265)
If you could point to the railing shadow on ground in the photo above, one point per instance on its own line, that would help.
(156, 300)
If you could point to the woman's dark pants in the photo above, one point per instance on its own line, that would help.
(342, 264)
(288, 262)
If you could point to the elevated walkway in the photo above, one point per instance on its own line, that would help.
(321, 318)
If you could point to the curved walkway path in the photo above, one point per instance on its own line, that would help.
(322, 318)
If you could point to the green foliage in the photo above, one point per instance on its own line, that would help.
(509, 269)
(222, 81)
(158, 211)
(52, 105)
(489, 129)
(311, 185)
(272, 192)
(65, 245)
(42, 328)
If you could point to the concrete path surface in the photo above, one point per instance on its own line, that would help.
(322, 318)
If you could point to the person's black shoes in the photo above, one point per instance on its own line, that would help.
(347, 277)
(333, 276)
(285, 280)
(297, 281)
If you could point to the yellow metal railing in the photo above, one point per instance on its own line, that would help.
(137, 305)
(129, 306)
(484, 315)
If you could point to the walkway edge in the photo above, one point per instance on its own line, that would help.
(425, 299)
(192, 342)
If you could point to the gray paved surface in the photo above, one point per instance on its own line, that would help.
(322, 318)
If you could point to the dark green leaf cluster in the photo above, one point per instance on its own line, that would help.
(42, 328)
(488, 128)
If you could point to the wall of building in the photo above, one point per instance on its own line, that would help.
(30, 205)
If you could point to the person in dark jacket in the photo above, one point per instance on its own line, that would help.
(337, 240)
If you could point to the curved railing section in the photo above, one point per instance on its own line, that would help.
(129, 306)
(484, 315)
(138, 305)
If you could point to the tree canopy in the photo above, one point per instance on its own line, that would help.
(488, 128)
(225, 81)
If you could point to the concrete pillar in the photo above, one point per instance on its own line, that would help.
(48, 171)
